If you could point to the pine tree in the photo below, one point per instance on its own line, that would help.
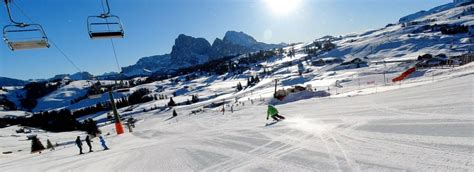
(91, 127)
(49, 145)
(171, 103)
(239, 87)
(36, 145)
(195, 99)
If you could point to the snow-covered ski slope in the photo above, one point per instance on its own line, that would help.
(428, 127)
(423, 123)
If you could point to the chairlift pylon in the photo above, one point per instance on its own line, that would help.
(105, 25)
(23, 36)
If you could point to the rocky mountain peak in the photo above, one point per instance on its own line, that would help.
(190, 50)
(239, 38)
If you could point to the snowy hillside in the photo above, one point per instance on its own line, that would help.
(408, 40)
(422, 128)
(343, 110)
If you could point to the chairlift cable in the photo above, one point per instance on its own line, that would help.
(115, 55)
(111, 41)
(50, 40)
(66, 56)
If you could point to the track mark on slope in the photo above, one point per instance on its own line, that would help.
(261, 152)
(350, 162)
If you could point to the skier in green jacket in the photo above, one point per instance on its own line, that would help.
(273, 112)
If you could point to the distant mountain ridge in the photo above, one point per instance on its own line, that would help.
(188, 51)
(4, 81)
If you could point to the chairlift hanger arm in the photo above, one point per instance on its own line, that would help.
(7, 5)
(107, 13)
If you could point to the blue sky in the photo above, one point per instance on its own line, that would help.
(152, 25)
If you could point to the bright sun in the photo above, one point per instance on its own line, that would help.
(283, 7)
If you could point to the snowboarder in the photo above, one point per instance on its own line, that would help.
(79, 144)
(102, 142)
(273, 112)
(88, 141)
(232, 109)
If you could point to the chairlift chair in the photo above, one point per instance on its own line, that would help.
(96, 94)
(95, 88)
(105, 27)
(23, 36)
(120, 88)
(39, 40)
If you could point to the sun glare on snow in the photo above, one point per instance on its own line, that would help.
(283, 7)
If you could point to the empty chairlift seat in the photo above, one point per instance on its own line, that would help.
(102, 27)
(25, 37)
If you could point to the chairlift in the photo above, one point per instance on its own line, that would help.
(121, 88)
(94, 96)
(105, 25)
(23, 36)
(96, 90)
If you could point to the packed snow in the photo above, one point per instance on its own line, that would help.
(347, 119)
(426, 127)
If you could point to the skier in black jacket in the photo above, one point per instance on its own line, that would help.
(88, 141)
(79, 144)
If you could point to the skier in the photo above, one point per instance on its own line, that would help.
(88, 141)
(174, 113)
(102, 142)
(79, 144)
(273, 112)
(132, 121)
